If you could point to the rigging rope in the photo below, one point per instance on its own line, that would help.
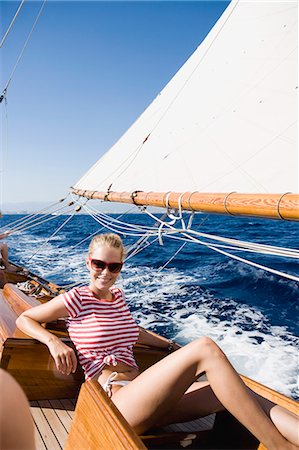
(119, 227)
(38, 221)
(28, 218)
(3, 95)
(4, 137)
(11, 23)
(213, 247)
(97, 231)
(50, 237)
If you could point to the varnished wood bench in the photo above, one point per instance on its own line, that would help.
(28, 360)
(17, 299)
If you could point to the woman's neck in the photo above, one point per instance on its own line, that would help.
(101, 294)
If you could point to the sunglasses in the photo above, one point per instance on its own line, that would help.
(98, 264)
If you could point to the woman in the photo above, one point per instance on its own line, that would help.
(104, 332)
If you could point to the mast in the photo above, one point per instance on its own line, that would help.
(271, 206)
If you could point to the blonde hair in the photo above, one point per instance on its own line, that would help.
(109, 239)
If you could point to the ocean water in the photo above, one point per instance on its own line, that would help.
(251, 314)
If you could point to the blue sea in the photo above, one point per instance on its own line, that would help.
(251, 314)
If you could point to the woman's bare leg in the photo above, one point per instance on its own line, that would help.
(158, 390)
(285, 421)
(200, 400)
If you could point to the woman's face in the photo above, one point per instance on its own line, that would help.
(103, 279)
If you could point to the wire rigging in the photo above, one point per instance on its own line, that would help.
(11, 23)
(50, 237)
(4, 92)
(19, 224)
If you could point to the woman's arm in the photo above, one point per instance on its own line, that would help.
(30, 323)
(153, 339)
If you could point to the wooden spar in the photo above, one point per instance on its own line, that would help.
(272, 206)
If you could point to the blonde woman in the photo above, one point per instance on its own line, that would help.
(104, 332)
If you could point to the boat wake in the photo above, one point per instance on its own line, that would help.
(174, 305)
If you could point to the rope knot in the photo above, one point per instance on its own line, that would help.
(110, 360)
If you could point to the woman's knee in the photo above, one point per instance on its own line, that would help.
(206, 347)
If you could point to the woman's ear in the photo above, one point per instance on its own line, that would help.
(87, 263)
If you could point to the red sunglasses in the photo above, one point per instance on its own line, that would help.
(98, 264)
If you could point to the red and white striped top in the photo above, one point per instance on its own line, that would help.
(103, 332)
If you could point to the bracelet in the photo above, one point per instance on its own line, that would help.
(170, 345)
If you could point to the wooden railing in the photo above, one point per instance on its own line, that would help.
(28, 360)
(98, 424)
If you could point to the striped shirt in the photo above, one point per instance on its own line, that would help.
(103, 332)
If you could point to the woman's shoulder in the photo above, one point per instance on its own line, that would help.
(76, 295)
(117, 292)
(80, 291)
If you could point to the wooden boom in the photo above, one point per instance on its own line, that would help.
(272, 206)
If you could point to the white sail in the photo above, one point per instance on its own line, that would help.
(227, 121)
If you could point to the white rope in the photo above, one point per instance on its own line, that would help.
(11, 23)
(243, 245)
(279, 251)
(211, 246)
(125, 224)
(23, 49)
(28, 218)
(117, 226)
(259, 266)
(38, 221)
(5, 141)
(249, 246)
(44, 219)
(50, 237)
(96, 232)
(172, 257)
(228, 247)
(137, 249)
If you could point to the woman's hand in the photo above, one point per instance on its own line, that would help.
(30, 323)
(63, 355)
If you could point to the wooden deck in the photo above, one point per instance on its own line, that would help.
(53, 420)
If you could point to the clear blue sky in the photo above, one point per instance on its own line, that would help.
(89, 70)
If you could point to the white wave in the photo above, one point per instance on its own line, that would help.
(273, 361)
(257, 349)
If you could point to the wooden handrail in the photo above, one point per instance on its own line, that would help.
(273, 396)
(98, 424)
(8, 326)
(17, 299)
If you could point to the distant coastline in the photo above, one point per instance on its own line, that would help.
(23, 207)
(36, 207)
